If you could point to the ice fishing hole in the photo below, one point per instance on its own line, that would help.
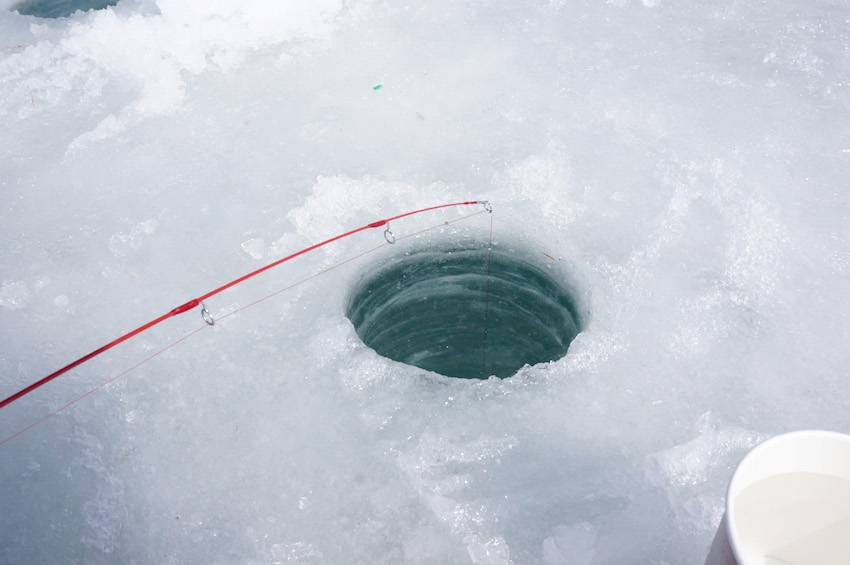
(59, 8)
(431, 309)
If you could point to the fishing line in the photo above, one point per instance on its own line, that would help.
(487, 300)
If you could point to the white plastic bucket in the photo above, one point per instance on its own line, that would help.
(788, 503)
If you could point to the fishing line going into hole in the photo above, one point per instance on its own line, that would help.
(487, 302)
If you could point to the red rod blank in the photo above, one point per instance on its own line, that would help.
(193, 303)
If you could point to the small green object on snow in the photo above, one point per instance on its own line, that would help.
(378, 87)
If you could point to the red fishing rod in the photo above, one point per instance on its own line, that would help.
(199, 301)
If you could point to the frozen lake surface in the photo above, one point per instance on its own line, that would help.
(682, 166)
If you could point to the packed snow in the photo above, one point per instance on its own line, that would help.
(683, 165)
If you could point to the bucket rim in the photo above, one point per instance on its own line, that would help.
(739, 476)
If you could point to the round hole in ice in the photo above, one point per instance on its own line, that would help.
(439, 310)
(59, 8)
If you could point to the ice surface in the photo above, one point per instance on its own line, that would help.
(686, 162)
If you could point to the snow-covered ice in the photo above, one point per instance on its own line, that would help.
(686, 165)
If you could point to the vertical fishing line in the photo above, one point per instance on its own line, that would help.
(487, 299)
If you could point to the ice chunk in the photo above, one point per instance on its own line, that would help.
(570, 545)
(254, 247)
(690, 463)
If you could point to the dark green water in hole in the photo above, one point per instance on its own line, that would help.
(59, 8)
(428, 309)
